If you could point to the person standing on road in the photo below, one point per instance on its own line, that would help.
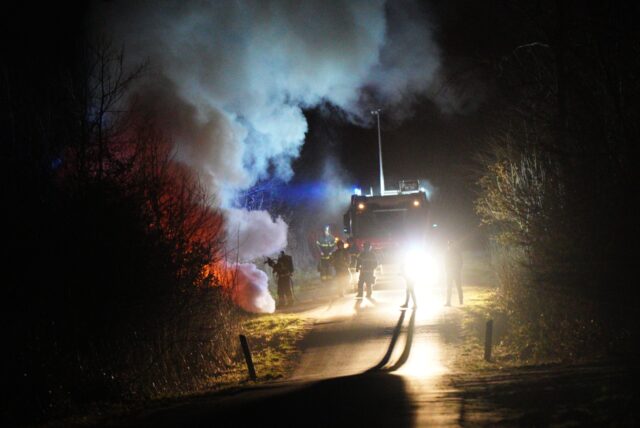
(283, 269)
(453, 270)
(410, 290)
(366, 265)
(340, 261)
(326, 246)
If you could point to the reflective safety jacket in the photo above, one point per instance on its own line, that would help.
(326, 244)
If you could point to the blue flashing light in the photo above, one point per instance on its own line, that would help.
(55, 163)
(357, 191)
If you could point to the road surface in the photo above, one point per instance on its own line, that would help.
(365, 362)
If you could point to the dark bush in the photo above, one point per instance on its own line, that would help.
(105, 295)
(559, 178)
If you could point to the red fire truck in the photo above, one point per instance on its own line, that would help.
(391, 221)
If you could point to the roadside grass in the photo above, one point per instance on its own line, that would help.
(510, 348)
(273, 340)
(482, 303)
(480, 306)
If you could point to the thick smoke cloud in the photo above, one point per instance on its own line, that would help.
(251, 292)
(230, 80)
(253, 234)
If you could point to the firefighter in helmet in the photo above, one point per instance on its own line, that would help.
(340, 262)
(326, 245)
(366, 265)
(283, 269)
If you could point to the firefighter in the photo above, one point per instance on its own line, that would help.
(340, 262)
(453, 270)
(366, 265)
(326, 245)
(283, 269)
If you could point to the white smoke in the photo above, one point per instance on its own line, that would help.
(253, 234)
(338, 194)
(251, 292)
(230, 80)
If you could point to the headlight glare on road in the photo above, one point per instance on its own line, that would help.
(422, 266)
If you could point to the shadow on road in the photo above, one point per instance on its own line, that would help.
(373, 398)
(370, 399)
(383, 364)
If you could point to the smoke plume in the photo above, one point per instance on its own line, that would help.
(230, 80)
(253, 234)
(251, 292)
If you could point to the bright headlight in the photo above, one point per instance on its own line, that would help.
(422, 266)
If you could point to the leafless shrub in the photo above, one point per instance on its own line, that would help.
(556, 182)
(121, 305)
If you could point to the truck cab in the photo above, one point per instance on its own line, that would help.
(390, 221)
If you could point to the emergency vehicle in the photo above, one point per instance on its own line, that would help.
(391, 221)
(396, 223)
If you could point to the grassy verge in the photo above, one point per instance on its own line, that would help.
(273, 341)
(482, 303)
(479, 307)
(510, 347)
(532, 325)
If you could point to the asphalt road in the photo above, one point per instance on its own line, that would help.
(366, 362)
(366, 339)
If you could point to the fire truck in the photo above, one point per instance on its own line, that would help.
(396, 223)
(391, 222)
